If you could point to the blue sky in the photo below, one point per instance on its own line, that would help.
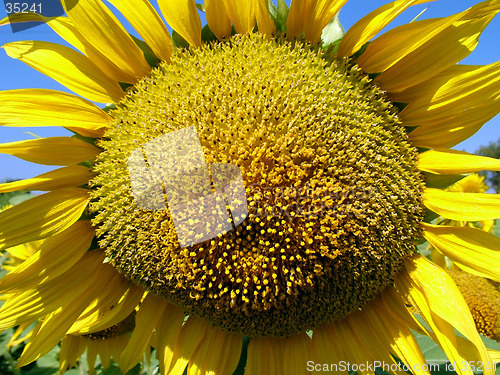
(14, 74)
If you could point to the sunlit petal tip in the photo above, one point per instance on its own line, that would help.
(182, 16)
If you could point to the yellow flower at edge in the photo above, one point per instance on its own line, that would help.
(483, 298)
(334, 182)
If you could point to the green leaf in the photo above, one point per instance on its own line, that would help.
(109, 107)
(207, 34)
(179, 41)
(282, 15)
(496, 231)
(441, 181)
(149, 55)
(200, 6)
(332, 33)
(20, 198)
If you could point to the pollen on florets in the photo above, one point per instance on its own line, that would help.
(483, 298)
(334, 194)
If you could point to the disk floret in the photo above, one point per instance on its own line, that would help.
(332, 187)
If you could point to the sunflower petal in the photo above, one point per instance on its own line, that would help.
(473, 250)
(38, 107)
(264, 22)
(453, 129)
(326, 347)
(41, 216)
(61, 25)
(392, 335)
(296, 352)
(51, 151)
(444, 50)
(217, 18)
(241, 13)
(192, 334)
(167, 331)
(461, 97)
(60, 178)
(369, 26)
(68, 67)
(444, 161)
(262, 357)
(144, 18)
(150, 311)
(462, 206)
(72, 347)
(391, 47)
(34, 304)
(56, 255)
(57, 323)
(218, 353)
(105, 33)
(97, 321)
(442, 308)
(310, 17)
(183, 17)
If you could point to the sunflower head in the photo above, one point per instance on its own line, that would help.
(327, 168)
(305, 197)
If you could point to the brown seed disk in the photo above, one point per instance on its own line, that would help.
(334, 194)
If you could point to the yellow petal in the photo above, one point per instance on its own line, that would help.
(299, 14)
(218, 353)
(453, 129)
(442, 308)
(144, 18)
(51, 151)
(34, 304)
(167, 332)
(66, 30)
(370, 25)
(191, 335)
(326, 347)
(58, 179)
(41, 216)
(68, 67)
(262, 358)
(52, 329)
(391, 47)
(462, 206)
(38, 107)
(473, 250)
(56, 255)
(444, 50)
(182, 16)
(356, 350)
(61, 25)
(98, 320)
(72, 347)
(392, 335)
(296, 352)
(264, 22)
(105, 300)
(310, 17)
(103, 31)
(150, 311)
(217, 18)
(455, 92)
(444, 161)
(241, 13)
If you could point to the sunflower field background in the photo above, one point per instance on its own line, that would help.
(49, 363)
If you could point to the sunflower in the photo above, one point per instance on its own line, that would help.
(338, 145)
